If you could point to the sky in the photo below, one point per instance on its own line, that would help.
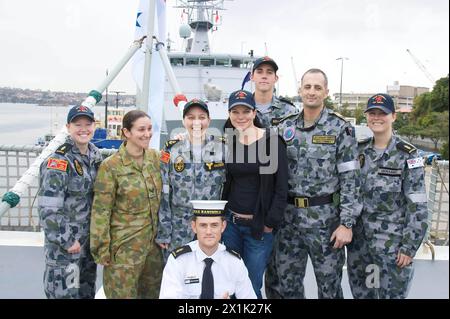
(67, 45)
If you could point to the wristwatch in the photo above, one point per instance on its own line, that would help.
(347, 224)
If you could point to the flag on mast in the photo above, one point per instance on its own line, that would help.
(157, 76)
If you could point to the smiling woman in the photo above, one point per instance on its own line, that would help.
(125, 214)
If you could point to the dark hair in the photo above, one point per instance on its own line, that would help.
(256, 122)
(316, 71)
(131, 117)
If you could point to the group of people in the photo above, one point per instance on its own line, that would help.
(297, 184)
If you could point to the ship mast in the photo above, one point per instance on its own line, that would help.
(203, 15)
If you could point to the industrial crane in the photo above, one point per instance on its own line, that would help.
(421, 67)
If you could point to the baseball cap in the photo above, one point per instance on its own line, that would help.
(80, 110)
(195, 102)
(267, 60)
(241, 97)
(382, 102)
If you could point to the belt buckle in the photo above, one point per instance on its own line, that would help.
(301, 202)
(233, 218)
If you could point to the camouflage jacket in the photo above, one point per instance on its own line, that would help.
(395, 201)
(124, 212)
(323, 160)
(185, 180)
(65, 194)
(279, 109)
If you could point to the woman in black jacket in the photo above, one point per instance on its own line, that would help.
(256, 185)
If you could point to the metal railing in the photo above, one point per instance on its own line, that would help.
(438, 204)
(14, 161)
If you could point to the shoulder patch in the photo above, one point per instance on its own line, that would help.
(276, 121)
(406, 147)
(364, 141)
(181, 250)
(57, 164)
(338, 115)
(63, 149)
(165, 157)
(234, 253)
(286, 100)
(171, 143)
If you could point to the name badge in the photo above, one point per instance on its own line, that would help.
(214, 166)
(188, 281)
(386, 171)
(415, 162)
(324, 139)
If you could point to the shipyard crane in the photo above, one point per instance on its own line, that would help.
(421, 67)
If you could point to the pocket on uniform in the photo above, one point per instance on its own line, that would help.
(323, 160)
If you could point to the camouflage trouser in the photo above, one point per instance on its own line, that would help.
(142, 280)
(286, 270)
(358, 263)
(70, 276)
(373, 273)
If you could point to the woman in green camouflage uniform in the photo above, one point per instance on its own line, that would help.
(125, 214)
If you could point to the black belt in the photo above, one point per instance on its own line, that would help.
(239, 220)
(304, 202)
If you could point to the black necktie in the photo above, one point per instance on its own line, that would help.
(207, 281)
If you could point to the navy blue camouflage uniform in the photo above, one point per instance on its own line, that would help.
(323, 193)
(393, 220)
(65, 200)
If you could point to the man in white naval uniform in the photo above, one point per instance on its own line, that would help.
(204, 268)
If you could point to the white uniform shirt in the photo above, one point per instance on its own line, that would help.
(182, 276)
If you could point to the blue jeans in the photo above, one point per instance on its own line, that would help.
(254, 252)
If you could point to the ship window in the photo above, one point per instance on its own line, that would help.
(206, 62)
(223, 62)
(236, 63)
(191, 61)
(177, 61)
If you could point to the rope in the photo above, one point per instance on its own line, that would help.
(12, 199)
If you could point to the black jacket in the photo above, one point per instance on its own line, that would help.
(272, 195)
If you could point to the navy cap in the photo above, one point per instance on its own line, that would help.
(208, 208)
(195, 102)
(241, 97)
(382, 102)
(80, 110)
(266, 60)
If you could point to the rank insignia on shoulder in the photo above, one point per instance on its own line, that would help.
(214, 166)
(405, 147)
(362, 160)
(286, 100)
(181, 250)
(63, 149)
(78, 167)
(275, 121)
(324, 139)
(339, 115)
(234, 253)
(179, 164)
(171, 143)
(165, 157)
(57, 164)
(364, 141)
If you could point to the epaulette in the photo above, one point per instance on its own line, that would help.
(406, 147)
(170, 143)
(277, 121)
(235, 254)
(338, 115)
(63, 149)
(284, 99)
(221, 139)
(364, 141)
(181, 250)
